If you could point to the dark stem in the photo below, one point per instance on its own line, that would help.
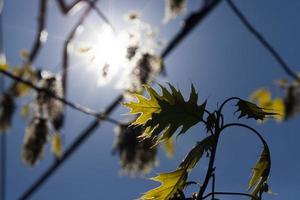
(211, 169)
(65, 62)
(41, 27)
(231, 194)
(225, 102)
(213, 186)
(263, 41)
(249, 128)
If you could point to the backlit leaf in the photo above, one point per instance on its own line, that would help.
(162, 115)
(171, 184)
(174, 182)
(25, 111)
(261, 96)
(196, 153)
(260, 172)
(56, 145)
(4, 66)
(169, 147)
(277, 105)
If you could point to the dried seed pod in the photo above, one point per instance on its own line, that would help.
(136, 156)
(49, 107)
(292, 101)
(131, 51)
(146, 67)
(34, 141)
(174, 8)
(7, 109)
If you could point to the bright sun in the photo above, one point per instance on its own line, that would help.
(108, 54)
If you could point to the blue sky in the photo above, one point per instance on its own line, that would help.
(219, 57)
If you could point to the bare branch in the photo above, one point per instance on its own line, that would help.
(65, 63)
(75, 106)
(263, 41)
(190, 23)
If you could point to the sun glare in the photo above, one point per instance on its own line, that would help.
(108, 54)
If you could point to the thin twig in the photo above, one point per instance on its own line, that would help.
(189, 24)
(65, 63)
(65, 9)
(75, 106)
(283, 64)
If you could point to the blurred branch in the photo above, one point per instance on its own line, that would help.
(65, 9)
(189, 24)
(65, 63)
(263, 41)
(41, 27)
(75, 106)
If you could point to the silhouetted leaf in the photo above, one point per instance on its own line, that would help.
(162, 115)
(252, 111)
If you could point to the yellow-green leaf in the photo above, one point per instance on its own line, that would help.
(162, 115)
(262, 96)
(260, 172)
(277, 105)
(196, 153)
(171, 184)
(25, 111)
(56, 145)
(4, 66)
(169, 147)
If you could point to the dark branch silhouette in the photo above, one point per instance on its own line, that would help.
(263, 41)
(75, 106)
